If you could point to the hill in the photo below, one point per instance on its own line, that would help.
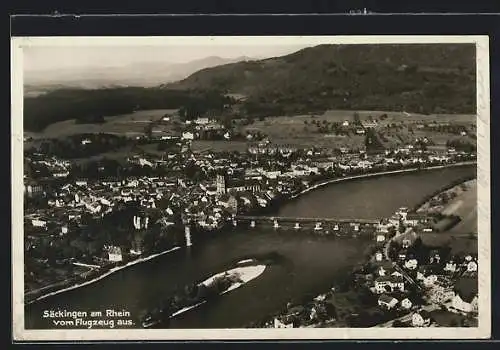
(420, 78)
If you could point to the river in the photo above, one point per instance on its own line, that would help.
(307, 264)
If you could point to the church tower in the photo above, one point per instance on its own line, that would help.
(221, 184)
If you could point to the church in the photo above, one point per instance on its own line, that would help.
(226, 185)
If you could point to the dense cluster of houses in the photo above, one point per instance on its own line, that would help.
(416, 283)
(228, 183)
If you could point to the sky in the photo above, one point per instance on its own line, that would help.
(38, 58)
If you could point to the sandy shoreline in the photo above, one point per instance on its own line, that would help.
(246, 274)
(353, 177)
(113, 270)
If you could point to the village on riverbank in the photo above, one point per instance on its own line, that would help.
(87, 219)
(422, 272)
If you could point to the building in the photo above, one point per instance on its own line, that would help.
(421, 319)
(221, 184)
(414, 219)
(115, 254)
(187, 135)
(282, 324)
(450, 266)
(389, 284)
(411, 264)
(406, 304)
(387, 302)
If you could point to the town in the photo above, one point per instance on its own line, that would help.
(405, 282)
(84, 219)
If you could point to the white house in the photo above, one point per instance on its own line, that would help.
(380, 237)
(420, 319)
(450, 266)
(187, 135)
(472, 266)
(379, 256)
(386, 301)
(279, 324)
(39, 223)
(202, 121)
(406, 304)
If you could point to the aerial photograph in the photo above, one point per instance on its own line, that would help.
(250, 186)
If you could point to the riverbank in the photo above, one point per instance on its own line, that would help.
(110, 272)
(382, 173)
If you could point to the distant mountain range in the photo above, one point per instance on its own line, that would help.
(143, 74)
(414, 77)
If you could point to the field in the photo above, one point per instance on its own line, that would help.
(459, 237)
(132, 124)
(304, 130)
(219, 146)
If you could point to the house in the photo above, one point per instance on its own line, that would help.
(421, 319)
(187, 135)
(39, 223)
(472, 266)
(406, 304)
(282, 324)
(202, 120)
(115, 254)
(380, 237)
(384, 268)
(389, 283)
(387, 302)
(411, 264)
(466, 298)
(430, 280)
(434, 257)
(406, 243)
(414, 219)
(450, 266)
(379, 256)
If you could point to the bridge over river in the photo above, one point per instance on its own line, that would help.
(322, 225)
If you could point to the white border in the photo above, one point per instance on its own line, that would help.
(483, 138)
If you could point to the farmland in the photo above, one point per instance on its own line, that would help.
(397, 128)
(132, 124)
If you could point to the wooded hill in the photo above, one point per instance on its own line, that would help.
(420, 78)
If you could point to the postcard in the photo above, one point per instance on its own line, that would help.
(227, 188)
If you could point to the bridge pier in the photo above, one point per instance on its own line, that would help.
(187, 235)
(252, 223)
